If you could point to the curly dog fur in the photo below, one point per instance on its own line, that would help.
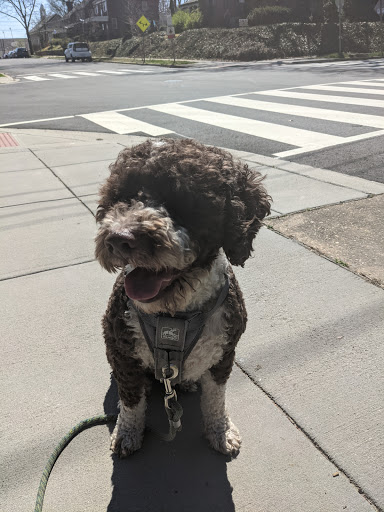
(175, 214)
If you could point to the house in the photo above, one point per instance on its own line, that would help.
(189, 5)
(222, 13)
(43, 32)
(107, 19)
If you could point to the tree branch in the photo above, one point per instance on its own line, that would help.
(10, 15)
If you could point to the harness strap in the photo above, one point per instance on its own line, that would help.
(171, 339)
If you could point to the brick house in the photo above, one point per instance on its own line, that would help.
(43, 32)
(222, 13)
(107, 19)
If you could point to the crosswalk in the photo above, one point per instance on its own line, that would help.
(44, 77)
(280, 122)
(249, 115)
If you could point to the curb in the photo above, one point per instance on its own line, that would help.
(6, 79)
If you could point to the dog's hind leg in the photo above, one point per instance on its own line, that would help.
(221, 433)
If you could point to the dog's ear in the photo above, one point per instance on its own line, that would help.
(246, 206)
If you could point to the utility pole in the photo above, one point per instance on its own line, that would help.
(381, 27)
(11, 33)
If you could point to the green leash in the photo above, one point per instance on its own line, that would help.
(83, 425)
(174, 413)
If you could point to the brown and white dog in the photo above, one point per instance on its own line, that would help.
(173, 215)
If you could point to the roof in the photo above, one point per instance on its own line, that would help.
(45, 22)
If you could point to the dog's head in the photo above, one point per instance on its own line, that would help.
(166, 210)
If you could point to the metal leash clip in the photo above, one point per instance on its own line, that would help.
(169, 390)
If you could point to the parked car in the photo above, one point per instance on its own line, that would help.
(21, 53)
(77, 51)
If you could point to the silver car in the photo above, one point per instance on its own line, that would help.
(77, 51)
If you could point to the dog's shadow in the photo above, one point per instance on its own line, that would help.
(184, 475)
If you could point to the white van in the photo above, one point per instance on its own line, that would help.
(77, 51)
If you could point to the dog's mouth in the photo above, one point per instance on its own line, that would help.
(146, 285)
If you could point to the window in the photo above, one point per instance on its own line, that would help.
(96, 9)
(80, 46)
(105, 6)
(102, 26)
(114, 23)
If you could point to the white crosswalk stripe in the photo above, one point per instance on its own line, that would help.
(340, 100)
(121, 124)
(141, 70)
(363, 83)
(35, 78)
(336, 88)
(112, 72)
(84, 73)
(59, 75)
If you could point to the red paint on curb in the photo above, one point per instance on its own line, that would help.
(7, 141)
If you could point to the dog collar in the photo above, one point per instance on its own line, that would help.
(172, 338)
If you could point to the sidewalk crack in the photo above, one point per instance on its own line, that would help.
(65, 185)
(359, 489)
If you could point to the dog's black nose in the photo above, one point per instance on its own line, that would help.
(121, 244)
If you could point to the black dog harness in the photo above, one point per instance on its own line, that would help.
(172, 338)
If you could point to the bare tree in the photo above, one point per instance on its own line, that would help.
(58, 7)
(22, 11)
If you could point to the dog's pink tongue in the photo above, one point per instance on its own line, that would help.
(142, 284)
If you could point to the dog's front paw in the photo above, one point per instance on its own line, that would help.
(126, 441)
(224, 436)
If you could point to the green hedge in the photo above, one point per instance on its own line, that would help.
(183, 20)
(269, 15)
(60, 41)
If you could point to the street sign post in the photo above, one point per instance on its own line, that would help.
(143, 24)
(379, 9)
(171, 35)
(171, 32)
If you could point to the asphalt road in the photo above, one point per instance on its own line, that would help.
(267, 108)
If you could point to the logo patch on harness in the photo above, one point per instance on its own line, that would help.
(170, 333)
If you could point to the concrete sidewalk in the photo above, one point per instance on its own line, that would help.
(306, 392)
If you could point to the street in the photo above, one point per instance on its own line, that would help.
(326, 115)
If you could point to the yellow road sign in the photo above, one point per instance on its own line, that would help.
(143, 23)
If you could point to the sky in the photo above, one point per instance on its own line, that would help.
(6, 24)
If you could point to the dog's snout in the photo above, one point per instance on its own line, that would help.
(122, 244)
